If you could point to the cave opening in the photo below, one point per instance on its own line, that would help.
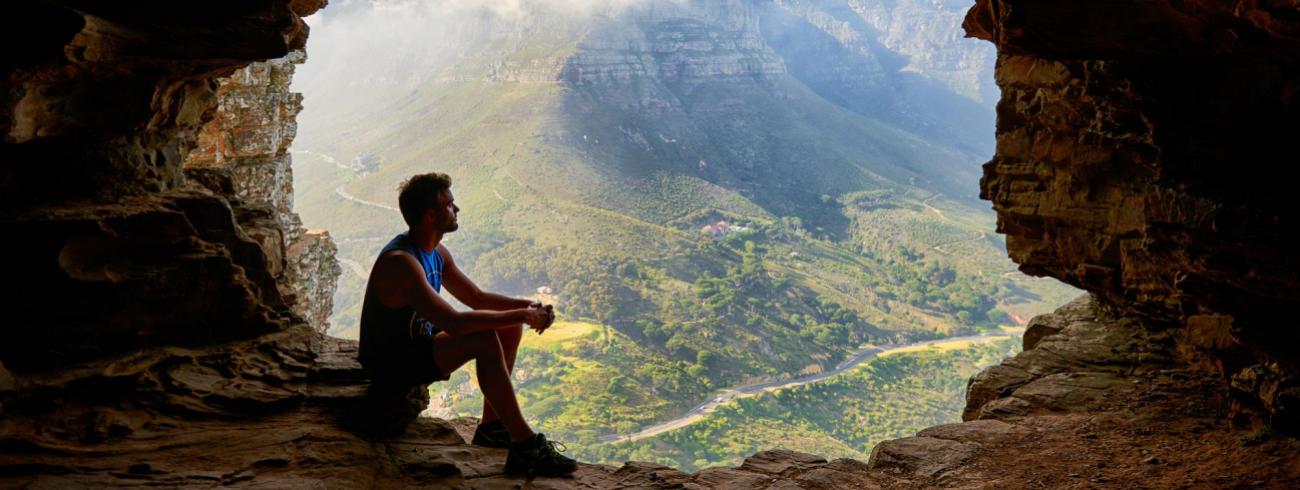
(683, 151)
(165, 328)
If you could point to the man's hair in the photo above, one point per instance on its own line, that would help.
(420, 192)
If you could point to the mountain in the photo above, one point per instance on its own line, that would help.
(721, 191)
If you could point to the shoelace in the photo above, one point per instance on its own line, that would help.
(554, 446)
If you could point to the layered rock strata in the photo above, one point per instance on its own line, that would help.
(243, 155)
(675, 41)
(907, 36)
(107, 99)
(1133, 160)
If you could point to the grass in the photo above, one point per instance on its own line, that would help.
(842, 416)
(560, 333)
(953, 345)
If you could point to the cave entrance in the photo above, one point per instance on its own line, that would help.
(715, 197)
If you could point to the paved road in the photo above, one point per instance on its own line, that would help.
(726, 396)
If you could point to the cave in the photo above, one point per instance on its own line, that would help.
(167, 323)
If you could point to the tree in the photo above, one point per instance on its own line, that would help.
(703, 357)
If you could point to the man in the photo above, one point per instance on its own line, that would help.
(409, 334)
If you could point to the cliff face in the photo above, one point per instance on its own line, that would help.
(895, 60)
(675, 41)
(243, 156)
(1129, 163)
(907, 35)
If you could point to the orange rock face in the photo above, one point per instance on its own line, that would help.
(243, 155)
(1139, 159)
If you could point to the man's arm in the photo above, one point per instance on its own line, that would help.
(474, 297)
(469, 293)
(401, 282)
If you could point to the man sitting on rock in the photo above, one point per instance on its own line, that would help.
(409, 334)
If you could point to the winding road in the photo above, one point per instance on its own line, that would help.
(344, 194)
(727, 396)
(356, 268)
(926, 203)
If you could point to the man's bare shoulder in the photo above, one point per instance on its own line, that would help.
(394, 263)
(394, 272)
(442, 250)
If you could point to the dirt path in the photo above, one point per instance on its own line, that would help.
(344, 194)
(938, 248)
(356, 268)
(317, 154)
(926, 203)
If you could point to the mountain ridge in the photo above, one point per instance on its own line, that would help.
(848, 226)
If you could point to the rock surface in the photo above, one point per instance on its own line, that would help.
(1130, 162)
(243, 155)
(1101, 403)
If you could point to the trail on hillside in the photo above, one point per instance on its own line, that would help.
(978, 236)
(356, 268)
(345, 195)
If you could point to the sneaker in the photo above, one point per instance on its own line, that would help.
(538, 456)
(492, 434)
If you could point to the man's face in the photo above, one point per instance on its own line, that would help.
(444, 216)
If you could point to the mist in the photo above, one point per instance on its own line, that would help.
(363, 53)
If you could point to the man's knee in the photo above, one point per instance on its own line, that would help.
(485, 342)
(511, 334)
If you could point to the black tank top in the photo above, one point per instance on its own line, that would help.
(390, 331)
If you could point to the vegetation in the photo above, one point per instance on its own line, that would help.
(844, 416)
(827, 229)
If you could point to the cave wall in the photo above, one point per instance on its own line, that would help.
(243, 155)
(1140, 159)
(161, 324)
(118, 250)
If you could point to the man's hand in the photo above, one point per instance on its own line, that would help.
(538, 317)
(550, 316)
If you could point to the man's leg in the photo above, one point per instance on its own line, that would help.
(509, 338)
(449, 353)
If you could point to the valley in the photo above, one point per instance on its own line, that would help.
(715, 207)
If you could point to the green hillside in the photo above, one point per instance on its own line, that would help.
(841, 228)
(843, 417)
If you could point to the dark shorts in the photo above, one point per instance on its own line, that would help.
(411, 364)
